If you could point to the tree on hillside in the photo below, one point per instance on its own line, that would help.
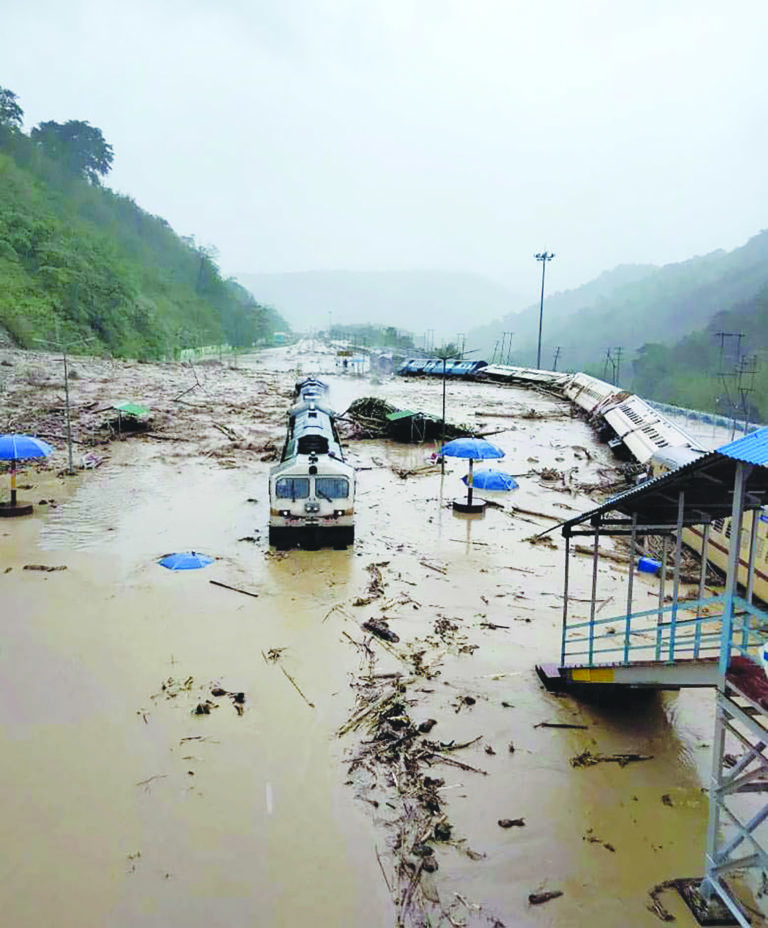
(11, 114)
(77, 145)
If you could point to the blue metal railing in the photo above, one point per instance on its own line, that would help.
(707, 633)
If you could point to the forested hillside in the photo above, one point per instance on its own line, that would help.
(80, 261)
(722, 368)
(631, 306)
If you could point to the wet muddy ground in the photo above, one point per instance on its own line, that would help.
(171, 748)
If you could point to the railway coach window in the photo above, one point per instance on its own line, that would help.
(332, 487)
(292, 488)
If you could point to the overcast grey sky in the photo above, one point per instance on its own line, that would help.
(393, 134)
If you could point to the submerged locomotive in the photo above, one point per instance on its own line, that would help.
(312, 489)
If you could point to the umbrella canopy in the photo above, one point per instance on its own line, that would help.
(492, 480)
(476, 449)
(185, 560)
(15, 448)
(19, 447)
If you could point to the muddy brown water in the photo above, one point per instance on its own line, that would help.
(121, 807)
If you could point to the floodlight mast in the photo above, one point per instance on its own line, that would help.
(542, 256)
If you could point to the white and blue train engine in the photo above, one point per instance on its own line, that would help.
(312, 489)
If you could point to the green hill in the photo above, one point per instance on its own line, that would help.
(80, 261)
(710, 370)
(631, 306)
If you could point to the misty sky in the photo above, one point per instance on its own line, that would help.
(384, 134)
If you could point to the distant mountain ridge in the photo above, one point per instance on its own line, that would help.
(632, 305)
(446, 302)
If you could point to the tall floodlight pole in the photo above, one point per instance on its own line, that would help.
(542, 256)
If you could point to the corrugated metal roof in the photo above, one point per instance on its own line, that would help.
(707, 484)
(751, 449)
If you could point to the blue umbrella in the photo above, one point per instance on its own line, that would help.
(492, 480)
(18, 448)
(185, 560)
(476, 449)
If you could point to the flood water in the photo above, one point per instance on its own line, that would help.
(124, 808)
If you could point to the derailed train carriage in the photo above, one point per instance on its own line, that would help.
(652, 440)
(312, 489)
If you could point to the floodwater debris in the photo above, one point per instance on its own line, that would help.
(540, 898)
(204, 708)
(298, 689)
(587, 759)
(235, 589)
(381, 629)
(44, 568)
(273, 655)
(559, 725)
(593, 839)
(511, 822)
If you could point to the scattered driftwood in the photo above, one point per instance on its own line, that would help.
(624, 560)
(593, 839)
(436, 567)
(44, 567)
(381, 629)
(375, 587)
(588, 759)
(226, 586)
(387, 768)
(492, 432)
(404, 472)
(533, 512)
(656, 906)
(601, 553)
(539, 898)
(542, 540)
(273, 657)
(298, 689)
(226, 431)
(511, 822)
(339, 607)
(558, 725)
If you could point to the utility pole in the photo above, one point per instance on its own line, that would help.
(509, 347)
(542, 256)
(745, 366)
(724, 375)
(554, 359)
(617, 366)
(444, 355)
(608, 360)
(64, 346)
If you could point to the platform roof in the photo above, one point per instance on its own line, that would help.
(706, 483)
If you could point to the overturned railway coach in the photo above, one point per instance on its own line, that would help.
(312, 489)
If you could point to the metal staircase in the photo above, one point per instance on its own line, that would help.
(714, 641)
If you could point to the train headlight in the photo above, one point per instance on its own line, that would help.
(338, 512)
(285, 513)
